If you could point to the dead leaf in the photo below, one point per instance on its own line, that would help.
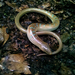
(57, 12)
(26, 46)
(3, 35)
(6, 36)
(44, 5)
(13, 5)
(16, 63)
(22, 7)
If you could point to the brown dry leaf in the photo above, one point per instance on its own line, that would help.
(16, 58)
(44, 5)
(16, 63)
(57, 12)
(13, 5)
(3, 35)
(6, 36)
(26, 46)
(22, 7)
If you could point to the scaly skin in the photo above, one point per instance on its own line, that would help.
(43, 28)
(31, 33)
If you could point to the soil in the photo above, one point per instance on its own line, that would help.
(62, 63)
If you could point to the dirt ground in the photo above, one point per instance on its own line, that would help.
(62, 63)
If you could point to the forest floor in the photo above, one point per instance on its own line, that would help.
(62, 63)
